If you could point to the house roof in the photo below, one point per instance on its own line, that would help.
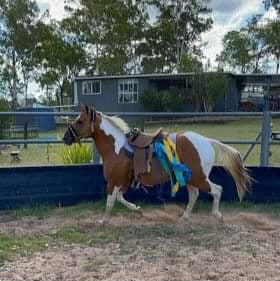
(165, 75)
(131, 76)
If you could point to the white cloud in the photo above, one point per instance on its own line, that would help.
(227, 17)
(56, 7)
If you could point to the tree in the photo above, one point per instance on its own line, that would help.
(190, 63)
(18, 19)
(163, 101)
(236, 51)
(61, 59)
(176, 31)
(110, 31)
(4, 120)
(216, 87)
(258, 47)
(272, 3)
(271, 36)
(208, 88)
(245, 48)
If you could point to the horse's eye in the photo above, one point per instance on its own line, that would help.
(79, 122)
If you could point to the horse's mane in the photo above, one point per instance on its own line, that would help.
(118, 123)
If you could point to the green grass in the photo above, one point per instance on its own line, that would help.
(123, 234)
(79, 210)
(84, 208)
(242, 129)
(11, 245)
(38, 212)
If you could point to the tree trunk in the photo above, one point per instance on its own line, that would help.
(257, 65)
(61, 97)
(277, 64)
(57, 99)
(25, 90)
(14, 77)
(204, 105)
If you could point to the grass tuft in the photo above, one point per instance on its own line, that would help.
(11, 245)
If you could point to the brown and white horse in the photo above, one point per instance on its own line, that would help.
(194, 150)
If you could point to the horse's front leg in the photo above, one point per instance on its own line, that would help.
(111, 199)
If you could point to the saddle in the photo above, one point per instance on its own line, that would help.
(141, 140)
(143, 150)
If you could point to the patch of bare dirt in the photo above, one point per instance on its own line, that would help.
(244, 246)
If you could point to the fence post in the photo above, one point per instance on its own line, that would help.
(142, 124)
(1, 129)
(266, 129)
(25, 132)
(95, 154)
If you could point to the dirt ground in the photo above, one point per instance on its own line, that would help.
(155, 246)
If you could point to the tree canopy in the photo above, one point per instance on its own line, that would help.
(119, 37)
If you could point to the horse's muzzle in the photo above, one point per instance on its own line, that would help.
(68, 138)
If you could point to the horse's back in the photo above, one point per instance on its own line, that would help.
(196, 149)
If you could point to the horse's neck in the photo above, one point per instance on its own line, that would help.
(108, 140)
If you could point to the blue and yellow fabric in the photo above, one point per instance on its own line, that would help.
(166, 153)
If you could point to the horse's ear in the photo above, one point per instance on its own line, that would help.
(82, 107)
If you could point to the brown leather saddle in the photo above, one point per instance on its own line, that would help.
(142, 144)
(142, 140)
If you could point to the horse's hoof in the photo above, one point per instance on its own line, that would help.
(103, 222)
(139, 210)
(218, 215)
(184, 217)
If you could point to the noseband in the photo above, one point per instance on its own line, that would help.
(74, 133)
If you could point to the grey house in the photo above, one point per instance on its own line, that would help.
(123, 92)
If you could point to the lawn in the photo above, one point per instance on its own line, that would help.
(243, 129)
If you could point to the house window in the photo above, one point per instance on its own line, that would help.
(92, 87)
(128, 91)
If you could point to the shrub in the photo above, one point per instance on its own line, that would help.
(164, 101)
(76, 154)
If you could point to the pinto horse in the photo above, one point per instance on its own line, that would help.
(194, 150)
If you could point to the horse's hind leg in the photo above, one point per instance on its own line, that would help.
(216, 192)
(129, 205)
(193, 195)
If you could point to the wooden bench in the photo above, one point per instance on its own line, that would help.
(275, 136)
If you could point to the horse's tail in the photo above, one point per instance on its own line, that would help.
(232, 162)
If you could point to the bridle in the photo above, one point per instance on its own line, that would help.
(74, 133)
